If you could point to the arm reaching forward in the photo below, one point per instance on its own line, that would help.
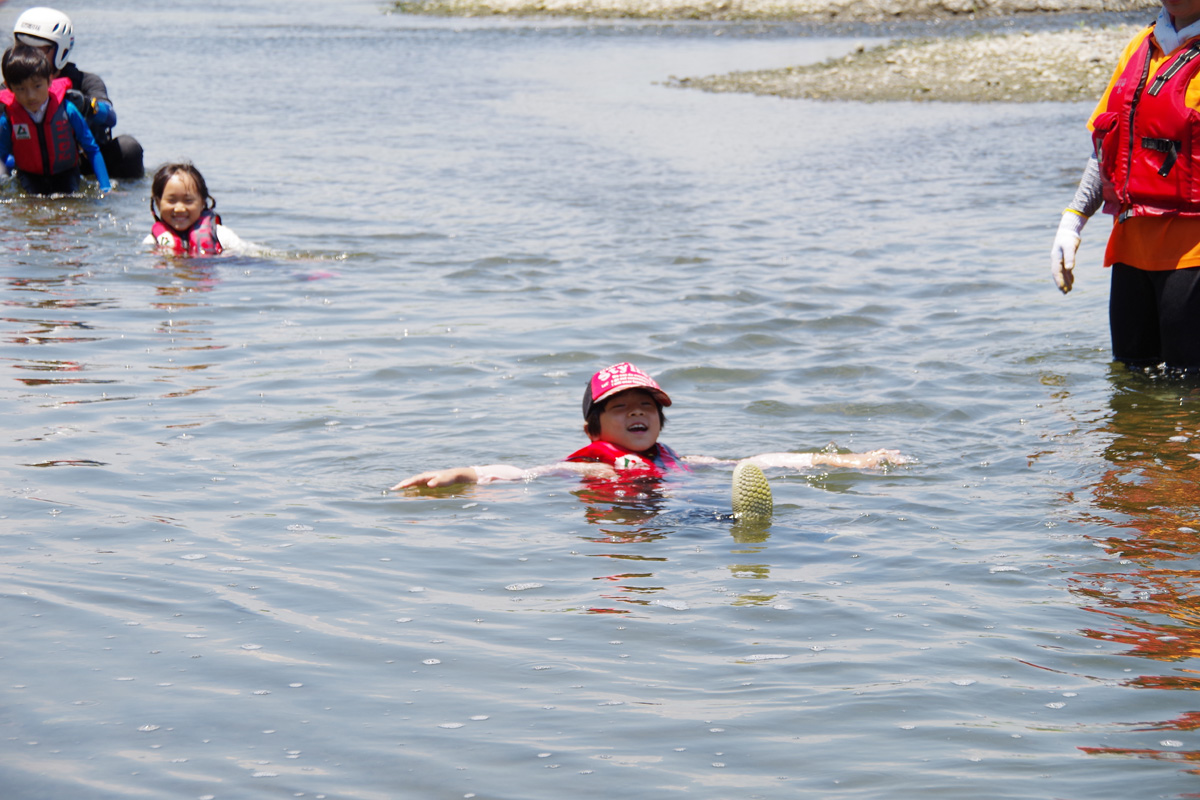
(869, 460)
(492, 473)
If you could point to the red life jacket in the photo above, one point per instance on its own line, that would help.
(45, 148)
(201, 237)
(653, 463)
(1147, 139)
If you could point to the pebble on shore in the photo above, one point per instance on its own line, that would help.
(1056, 66)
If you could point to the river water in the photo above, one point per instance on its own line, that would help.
(208, 593)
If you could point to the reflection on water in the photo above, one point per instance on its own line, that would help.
(1150, 495)
(638, 512)
(81, 319)
(622, 502)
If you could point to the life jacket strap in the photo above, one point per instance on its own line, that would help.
(1168, 146)
(1182, 61)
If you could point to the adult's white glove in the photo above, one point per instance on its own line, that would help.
(1066, 244)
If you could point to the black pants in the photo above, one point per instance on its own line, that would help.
(1154, 317)
(122, 157)
(62, 183)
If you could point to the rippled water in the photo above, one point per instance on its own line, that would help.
(208, 593)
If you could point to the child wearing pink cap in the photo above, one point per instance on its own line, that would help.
(623, 416)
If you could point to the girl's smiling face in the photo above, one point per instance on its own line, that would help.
(630, 420)
(181, 204)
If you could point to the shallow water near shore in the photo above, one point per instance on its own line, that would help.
(209, 594)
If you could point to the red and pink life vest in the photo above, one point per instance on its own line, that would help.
(201, 237)
(1147, 139)
(653, 463)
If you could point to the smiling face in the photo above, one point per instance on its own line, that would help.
(630, 420)
(181, 203)
(32, 93)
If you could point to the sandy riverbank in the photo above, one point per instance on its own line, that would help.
(1046, 65)
(1063, 66)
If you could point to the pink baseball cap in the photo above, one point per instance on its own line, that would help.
(618, 378)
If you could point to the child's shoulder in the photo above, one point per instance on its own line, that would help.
(227, 237)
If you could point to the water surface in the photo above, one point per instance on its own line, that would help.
(208, 593)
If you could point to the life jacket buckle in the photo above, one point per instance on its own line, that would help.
(1168, 146)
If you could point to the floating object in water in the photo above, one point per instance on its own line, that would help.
(751, 493)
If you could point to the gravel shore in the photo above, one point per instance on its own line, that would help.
(1032, 66)
(1061, 66)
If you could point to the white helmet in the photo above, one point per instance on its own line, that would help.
(50, 26)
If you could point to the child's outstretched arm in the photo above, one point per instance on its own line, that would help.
(492, 473)
(869, 460)
(449, 477)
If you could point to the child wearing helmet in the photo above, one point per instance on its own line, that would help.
(41, 129)
(623, 416)
(51, 32)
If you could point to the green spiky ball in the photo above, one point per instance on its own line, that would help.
(751, 493)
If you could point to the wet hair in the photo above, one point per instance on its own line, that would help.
(22, 62)
(592, 420)
(167, 171)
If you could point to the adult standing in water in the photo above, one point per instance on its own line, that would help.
(51, 31)
(1146, 172)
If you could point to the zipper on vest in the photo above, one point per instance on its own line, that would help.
(1133, 105)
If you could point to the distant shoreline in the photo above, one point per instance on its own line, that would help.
(1070, 65)
(763, 10)
(1047, 66)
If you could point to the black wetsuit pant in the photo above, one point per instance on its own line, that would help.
(1154, 317)
(122, 157)
(62, 183)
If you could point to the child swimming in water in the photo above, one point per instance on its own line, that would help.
(184, 221)
(41, 129)
(623, 416)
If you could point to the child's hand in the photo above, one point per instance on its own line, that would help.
(876, 458)
(439, 477)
